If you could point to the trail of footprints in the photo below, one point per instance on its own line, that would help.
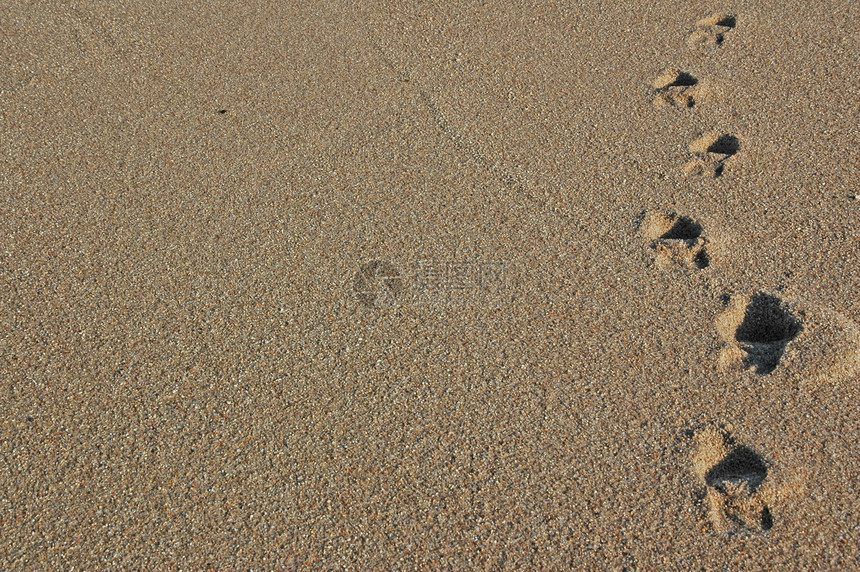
(755, 329)
(674, 88)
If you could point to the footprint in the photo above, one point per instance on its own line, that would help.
(676, 239)
(711, 31)
(379, 284)
(676, 88)
(756, 331)
(733, 476)
(712, 150)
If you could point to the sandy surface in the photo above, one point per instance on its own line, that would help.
(431, 285)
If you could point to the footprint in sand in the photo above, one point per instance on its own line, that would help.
(712, 151)
(675, 239)
(734, 477)
(811, 343)
(711, 31)
(378, 284)
(676, 88)
(756, 331)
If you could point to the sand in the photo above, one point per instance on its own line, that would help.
(426, 285)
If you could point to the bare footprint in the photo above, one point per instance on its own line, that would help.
(711, 31)
(676, 88)
(734, 477)
(813, 344)
(675, 239)
(712, 151)
(756, 331)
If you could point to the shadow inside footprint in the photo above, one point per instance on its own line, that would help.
(701, 260)
(683, 79)
(725, 145)
(741, 467)
(712, 30)
(766, 329)
(684, 228)
(727, 21)
(767, 321)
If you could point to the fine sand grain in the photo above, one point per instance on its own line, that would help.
(430, 285)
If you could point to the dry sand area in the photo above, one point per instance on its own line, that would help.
(430, 285)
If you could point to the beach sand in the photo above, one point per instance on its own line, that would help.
(426, 285)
